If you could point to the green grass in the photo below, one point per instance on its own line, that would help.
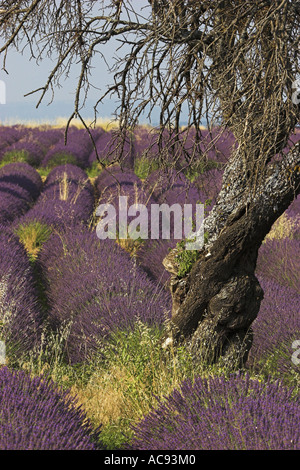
(144, 166)
(199, 168)
(33, 235)
(61, 159)
(16, 156)
(119, 385)
(43, 172)
(186, 258)
(95, 169)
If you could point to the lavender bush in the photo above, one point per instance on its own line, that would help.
(46, 137)
(150, 257)
(76, 150)
(209, 184)
(111, 149)
(172, 187)
(73, 172)
(14, 201)
(279, 261)
(67, 199)
(222, 414)
(9, 135)
(113, 176)
(30, 145)
(275, 328)
(22, 174)
(36, 415)
(219, 142)
(115, 183)
(20, 315)
(95, 288)
(24, 150)
(294, 208)
(145, 143)
(19, 187)
(195, 155)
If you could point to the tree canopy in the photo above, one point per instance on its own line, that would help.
(226, 62)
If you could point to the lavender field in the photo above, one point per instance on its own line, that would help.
(82, 319)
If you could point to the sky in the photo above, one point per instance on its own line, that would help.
(25, 76)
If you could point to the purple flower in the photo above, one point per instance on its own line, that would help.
(276, 327)
(235, 413)
(279, 260)
(20, 185)
(22, 174)
(111, 149)
(20, 314)
(67, 198)
(30, 151)
(150, 257)
(9, 135)
(294, 208)
(76, 150)
(94, 286)
(113, 176)
(46, 137)
(37, 415)
(112, 184)
(145, 143)
(209, 184)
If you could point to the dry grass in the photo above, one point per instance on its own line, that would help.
(282, 228)
(106, 123)
(64, 188)
(61, 122)
(124, 389)
(104, 397)
(32, 235)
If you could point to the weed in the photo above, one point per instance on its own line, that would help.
(16, 156)
(143, 167)
(33, 235)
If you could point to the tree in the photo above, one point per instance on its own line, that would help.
(233, 63)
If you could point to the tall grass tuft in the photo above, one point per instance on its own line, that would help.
(33, 235)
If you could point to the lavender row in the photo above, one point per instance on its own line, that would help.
(20, 185)
(47, 147)
(111, 148)
(32, 145)
(215, 145)
(37, 415)
(67, 198)
(160, 187)
(20, 315)
(75, 150)
(114, 183)
(172, 187)
(220, 413)
(275, 329)
(279, 261)
(9, 135)
(94, 288)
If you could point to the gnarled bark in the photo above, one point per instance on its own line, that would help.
(216, 303)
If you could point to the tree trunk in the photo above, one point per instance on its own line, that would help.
(216, 303)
